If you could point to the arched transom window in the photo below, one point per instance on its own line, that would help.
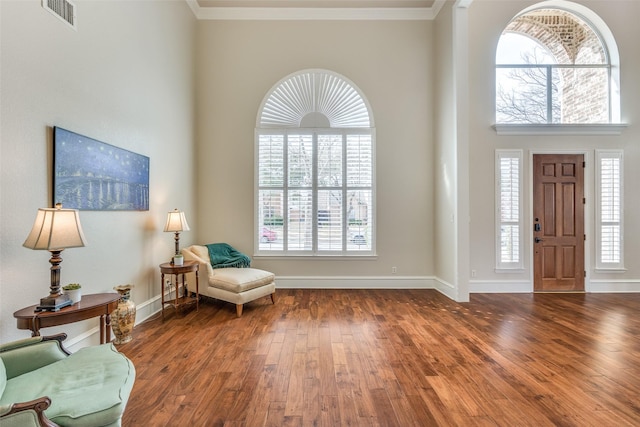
(315, 168)
(553, 66)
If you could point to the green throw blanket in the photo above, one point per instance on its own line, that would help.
(223, 255)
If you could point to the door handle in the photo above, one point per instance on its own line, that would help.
(537, 240)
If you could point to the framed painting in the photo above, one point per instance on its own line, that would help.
(92, 175)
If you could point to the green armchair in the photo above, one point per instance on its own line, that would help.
(42, 384)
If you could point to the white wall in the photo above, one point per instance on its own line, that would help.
(487, 18)
(391, 62)
(445, 152)
(126, 78)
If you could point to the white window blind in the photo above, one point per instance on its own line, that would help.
(508, 209)
(314, 168)
(315, 192)
(609, 210)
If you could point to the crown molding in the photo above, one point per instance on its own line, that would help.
(315, 14)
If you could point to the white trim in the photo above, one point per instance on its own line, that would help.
(447, 289)
(148, 308)
(462, 213)
(500, 286)
(499, 264)
(610, 270)
(560, 129)
(599, 156)
(366, 282)
(316, 13)
(525, 286)
(615, 286)
(356, 282)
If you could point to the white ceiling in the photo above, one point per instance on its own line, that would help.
(316, 9)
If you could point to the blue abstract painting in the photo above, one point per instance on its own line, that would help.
(93, 175)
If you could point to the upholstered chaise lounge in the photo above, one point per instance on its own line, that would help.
(237, 285)
(41, 384)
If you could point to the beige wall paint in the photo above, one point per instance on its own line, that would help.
(445, 151)
(391, 62)
(126, 78)
(487, 18)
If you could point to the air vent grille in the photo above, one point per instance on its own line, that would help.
(65, 10)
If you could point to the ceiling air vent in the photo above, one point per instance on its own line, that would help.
(63, 9)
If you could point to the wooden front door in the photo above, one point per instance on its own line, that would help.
(558, 228)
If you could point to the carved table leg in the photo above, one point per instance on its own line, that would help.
(107, 319)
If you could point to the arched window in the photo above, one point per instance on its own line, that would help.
(315, 191)
(556, 66)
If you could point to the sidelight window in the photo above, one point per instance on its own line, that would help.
(609, 234)
(509, 209)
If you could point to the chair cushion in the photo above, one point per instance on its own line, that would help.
(90, 387)
(200, 251)
(238, 280)
(3, 377)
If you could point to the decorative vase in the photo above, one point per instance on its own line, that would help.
(123, 317)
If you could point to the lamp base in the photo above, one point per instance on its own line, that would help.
(54, 302)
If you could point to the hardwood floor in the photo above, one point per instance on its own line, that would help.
(391, 358)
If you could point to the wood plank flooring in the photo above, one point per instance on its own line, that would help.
(391, 358)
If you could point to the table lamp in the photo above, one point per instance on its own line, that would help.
(54, 230)
(176, 222)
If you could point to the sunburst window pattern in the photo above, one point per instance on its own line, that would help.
(303, 100)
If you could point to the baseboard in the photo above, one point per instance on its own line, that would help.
(614, 286)
(499, 286)
(356, 282)
(144, 311)
(525, 286)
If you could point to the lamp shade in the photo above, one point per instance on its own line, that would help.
(55, 229)
(176, 221)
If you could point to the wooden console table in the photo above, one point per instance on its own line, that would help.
(92, 305)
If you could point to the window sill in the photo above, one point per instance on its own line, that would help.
(507, 270)
(560, 129)
(610, 270)
(290, 257)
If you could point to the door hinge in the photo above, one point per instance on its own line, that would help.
(584, 200)
(584, 164)
(585, 237)
(585, 273)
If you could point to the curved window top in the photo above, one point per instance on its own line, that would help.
(314, 99)
(567, 37)
(557, 66)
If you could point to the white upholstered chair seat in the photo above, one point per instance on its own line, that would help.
(240, 279)
(234, 285)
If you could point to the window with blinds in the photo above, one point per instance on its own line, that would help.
(508, 209)
(315, 174)
(609, 210)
